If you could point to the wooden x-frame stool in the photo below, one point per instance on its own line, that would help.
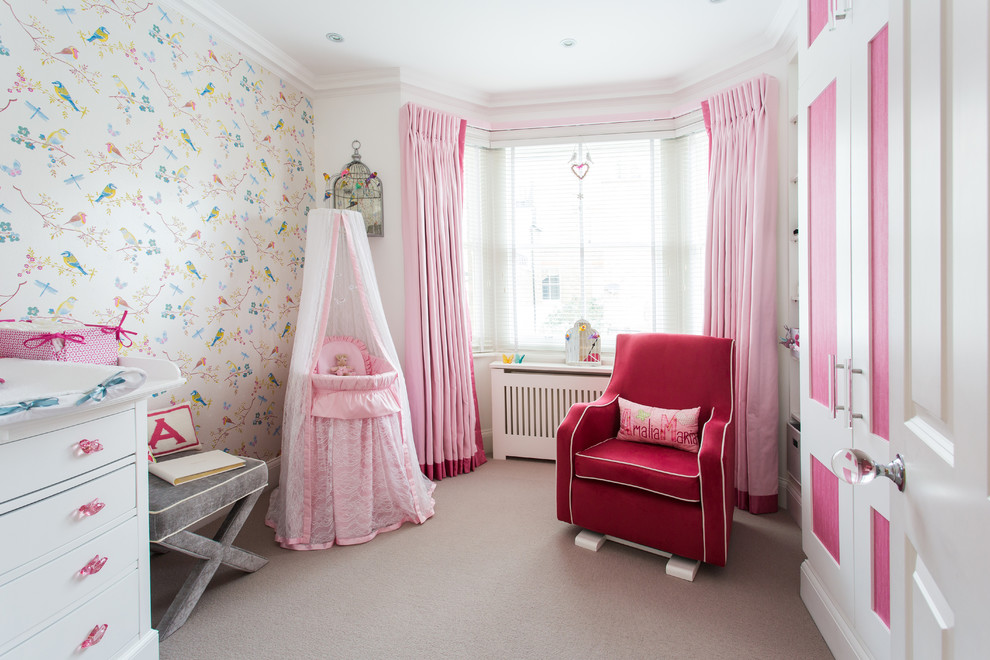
(172, 509)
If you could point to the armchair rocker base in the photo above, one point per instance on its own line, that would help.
(679, 567)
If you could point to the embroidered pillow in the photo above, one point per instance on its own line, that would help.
(659, 426)
(171, 430)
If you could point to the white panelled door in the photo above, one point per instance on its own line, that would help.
(940, 524)
(842, 100)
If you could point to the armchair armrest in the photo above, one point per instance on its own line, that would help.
(584, 425)
(717, 466)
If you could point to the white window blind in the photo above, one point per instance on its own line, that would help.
(622, 247)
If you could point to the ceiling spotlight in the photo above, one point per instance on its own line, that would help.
(335, 37)
(568, 42)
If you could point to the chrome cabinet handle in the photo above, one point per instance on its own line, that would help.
(832, 366)
(855, 466)
(843, 13)
(850, 415)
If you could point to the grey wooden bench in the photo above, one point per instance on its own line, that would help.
(173, 509)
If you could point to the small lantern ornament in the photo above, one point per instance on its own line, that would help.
(583, 344)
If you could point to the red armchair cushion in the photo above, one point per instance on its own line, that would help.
(662, 470)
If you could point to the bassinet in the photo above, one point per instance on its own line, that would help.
(349, 469)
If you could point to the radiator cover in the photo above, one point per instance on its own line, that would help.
(530, 400)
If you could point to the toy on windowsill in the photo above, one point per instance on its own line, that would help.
(342, 369)
(512, 358)
(583, 344)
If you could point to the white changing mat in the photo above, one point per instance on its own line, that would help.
(38, 388)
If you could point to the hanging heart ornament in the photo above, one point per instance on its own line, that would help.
(580, 171)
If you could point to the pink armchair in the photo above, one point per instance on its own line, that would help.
(670, 500)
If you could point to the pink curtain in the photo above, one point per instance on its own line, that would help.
(439, 367)
(741, 272)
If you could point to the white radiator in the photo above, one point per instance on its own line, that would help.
(530, 400)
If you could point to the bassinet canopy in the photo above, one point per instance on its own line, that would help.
(349, 468)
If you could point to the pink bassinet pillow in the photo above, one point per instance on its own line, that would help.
(347, 350)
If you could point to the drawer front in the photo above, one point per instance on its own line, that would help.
(116, 608)
(31, 463)
(34, 530)
(74, 576)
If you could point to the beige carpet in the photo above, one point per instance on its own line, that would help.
(494, 574)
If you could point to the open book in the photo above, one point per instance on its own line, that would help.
(196, 466)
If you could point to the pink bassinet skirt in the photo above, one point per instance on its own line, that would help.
(359, 478)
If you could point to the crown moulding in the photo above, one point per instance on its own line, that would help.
(781, 32)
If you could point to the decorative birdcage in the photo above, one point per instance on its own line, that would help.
(357, 188)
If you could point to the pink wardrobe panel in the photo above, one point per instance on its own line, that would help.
(879, 322)
(817, 18)
(825, 506)
(821, 339)
(881, 567)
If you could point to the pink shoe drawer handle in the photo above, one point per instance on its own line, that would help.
(94, 566)
(92, 508)
(90, 446)
(95, 635)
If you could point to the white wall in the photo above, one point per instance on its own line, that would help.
(373, 120)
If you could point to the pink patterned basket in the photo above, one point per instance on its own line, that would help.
(58, 341)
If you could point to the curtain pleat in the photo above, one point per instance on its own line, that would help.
(439, 364)
(741, 273)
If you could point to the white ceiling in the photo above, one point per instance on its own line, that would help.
(502, 48)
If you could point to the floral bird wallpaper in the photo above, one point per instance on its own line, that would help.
(151, 171)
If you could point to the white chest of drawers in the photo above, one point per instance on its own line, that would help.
(74, 554)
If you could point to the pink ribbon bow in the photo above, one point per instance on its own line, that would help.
(118, 331)
(49, 337)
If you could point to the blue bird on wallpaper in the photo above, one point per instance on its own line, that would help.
(279, 125)
(192, 269)
(197, 397)
(128, 237)
(56, 137)
(282, 227)
(288, 326)
(209, 89)
(71, 261)
(264, 166)
(268, 272)
(64, 93)
(122, 88)
(66, 307)
(101, 34)
(214, 214)
(271, 379)
(108, 191)
(185, 136)
(217, 337)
